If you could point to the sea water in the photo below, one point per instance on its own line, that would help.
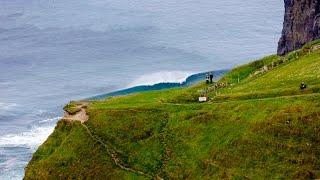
(53, 51)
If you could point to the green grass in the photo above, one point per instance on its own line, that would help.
(242, 72)
(283, 80)
(70, 152)
(262, 127)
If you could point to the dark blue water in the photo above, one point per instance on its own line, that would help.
(53, 51)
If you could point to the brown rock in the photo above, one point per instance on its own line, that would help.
(301, 24)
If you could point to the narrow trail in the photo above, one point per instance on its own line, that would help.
(112, 153)
(264, 99)
(244, 100)
(166, 154)
(82, 117)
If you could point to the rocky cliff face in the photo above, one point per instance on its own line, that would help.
(301, 24)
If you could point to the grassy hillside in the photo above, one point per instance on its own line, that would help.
(261, 126)
(282, 80)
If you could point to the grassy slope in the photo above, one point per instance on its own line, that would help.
(283, 80)
(252, 129)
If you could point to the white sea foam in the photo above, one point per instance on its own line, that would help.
(30, 139)
(161, 77)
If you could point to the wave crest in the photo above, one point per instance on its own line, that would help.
(161, 77)
(30, 139)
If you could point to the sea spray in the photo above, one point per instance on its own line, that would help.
(30, 139)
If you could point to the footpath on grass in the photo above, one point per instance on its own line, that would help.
(265, 98)
(244, 100)
(82, 117)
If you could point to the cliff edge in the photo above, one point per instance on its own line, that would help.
(257, 124)
(301, 24)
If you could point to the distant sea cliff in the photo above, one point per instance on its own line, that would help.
(301, 24)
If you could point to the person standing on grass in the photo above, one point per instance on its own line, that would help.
(207, 78)
(303, 86)
(211, 78)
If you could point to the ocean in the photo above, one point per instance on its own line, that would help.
(54, 51)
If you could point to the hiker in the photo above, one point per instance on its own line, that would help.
(303, 86)
(207, 78)
(211, 78)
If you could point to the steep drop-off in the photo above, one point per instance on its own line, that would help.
(301, 24)
(261, 126)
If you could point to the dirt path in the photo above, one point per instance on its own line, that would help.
(167, 152)
(83, 117)
(79, 116)
(112, 153)
(264, 99)
(244, 100)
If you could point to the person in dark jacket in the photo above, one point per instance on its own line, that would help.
(211, 78)
(303, 86)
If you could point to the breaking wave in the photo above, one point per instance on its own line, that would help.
(30, 139)
(161, 77)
